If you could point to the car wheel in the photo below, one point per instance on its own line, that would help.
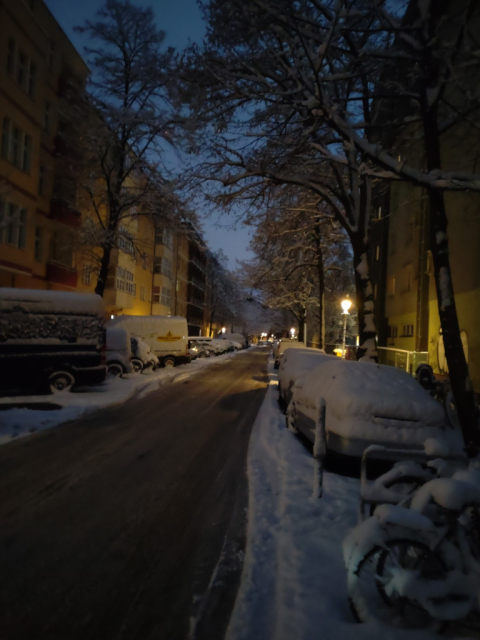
(137, 365)
(114, 369)
(60, 381)
(169, 362)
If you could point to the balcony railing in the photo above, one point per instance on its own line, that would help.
(197, 302)
(197, 283)
(198, 264)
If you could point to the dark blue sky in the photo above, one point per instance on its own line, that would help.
(182, 22)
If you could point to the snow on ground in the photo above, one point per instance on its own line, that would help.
(294, 579)
(64, 407)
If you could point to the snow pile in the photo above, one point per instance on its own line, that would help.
(63, 302)
(293, 584)
(449, 493)
(377, 403)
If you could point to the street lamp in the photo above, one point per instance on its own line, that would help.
(346, 304)
(292, 331)
(223, 329)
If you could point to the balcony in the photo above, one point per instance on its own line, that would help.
(59, 274)
(197, 302)
(198, 264)
(197, 283)
(64, 213)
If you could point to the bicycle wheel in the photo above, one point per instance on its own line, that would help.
(370, 586)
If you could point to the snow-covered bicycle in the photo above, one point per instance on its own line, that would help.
(417, 564)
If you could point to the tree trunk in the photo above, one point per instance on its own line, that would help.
(104, 267)
(461, 384)
(367, 351)
(321, 289)
(302, 318)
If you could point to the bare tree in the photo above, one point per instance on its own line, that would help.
(127, 113)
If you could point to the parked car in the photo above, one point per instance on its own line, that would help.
(119, 353)
(369, 404)
(142, 356)
(166, 336)
(216, 346)
(294, 365)
(200, 350)
(235, 337)
(286, 344)
(52, 340)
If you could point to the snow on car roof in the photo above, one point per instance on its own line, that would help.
(289, 344)
(363, 388)
(39, 301)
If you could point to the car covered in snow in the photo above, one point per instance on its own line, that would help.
(294, 365)
(369, 404)
(235, 337)
(142, 356)
(119, 352)
(52, 340)
(286, 344)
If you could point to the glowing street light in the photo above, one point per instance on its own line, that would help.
(292, 331)
(346, 304)
(224, 329)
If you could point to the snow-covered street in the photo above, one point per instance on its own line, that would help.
(31, 414)
(294, 578)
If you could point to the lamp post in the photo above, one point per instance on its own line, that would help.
(346, 304)
(224, 329)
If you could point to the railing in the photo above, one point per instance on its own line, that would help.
(197, 283)
(198, 264)
(402, 359)
(198, 303)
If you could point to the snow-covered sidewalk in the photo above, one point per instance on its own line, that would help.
(46, 411)
(294, 579)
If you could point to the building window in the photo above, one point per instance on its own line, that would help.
(46, 116)
(21, 69)
(164, 236)
(32, 79)
(142, 293)
(62, 248)
(124, 241)
(41, 180)
(409, 280)
(16, 145)
(407, 331)
(87, 273)
(27, 153)
(166, 297)
(377, 252)
(11, 56)
(391, 286)
(163, 266)
(156, 294)
(13, 224)
(124, 281)
(38, 251)
(392, 331)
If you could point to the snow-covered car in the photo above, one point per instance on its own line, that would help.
(369, 404)
(53, 340)
(142, 356)
(286, 344)
(201, 350)
(119, 354)
(235, 337)
(296, 364)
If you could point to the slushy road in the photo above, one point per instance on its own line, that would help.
(129, 523)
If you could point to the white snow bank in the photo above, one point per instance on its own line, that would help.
(377, 403)
(21, 422)
(294, 580)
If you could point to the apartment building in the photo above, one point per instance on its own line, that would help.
(38, 65)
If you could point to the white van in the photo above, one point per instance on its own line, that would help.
(167, 336)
